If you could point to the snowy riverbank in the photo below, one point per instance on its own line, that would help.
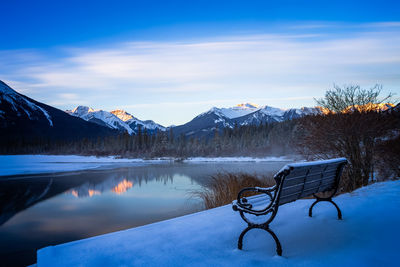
(367, 236)
(35, 164)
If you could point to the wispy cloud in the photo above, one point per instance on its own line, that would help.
(385, 24)
(211, 102)
(276, 69)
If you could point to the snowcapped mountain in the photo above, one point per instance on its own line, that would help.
(242, 114)
(100, 117)
(246, 114)
(20, 105)
(116, 119)
(204, 124)
(238, 110)
(134, 123)
(269, 114)
(22, 118)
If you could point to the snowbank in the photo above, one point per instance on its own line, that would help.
(35, 164)
(367, 236)
(236, 159)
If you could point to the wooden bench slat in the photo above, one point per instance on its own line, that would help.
(298, 183)
(311, 173)
(292, 190)
(307, 186)
(306, 183)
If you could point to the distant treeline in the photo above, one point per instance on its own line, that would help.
(266, 139)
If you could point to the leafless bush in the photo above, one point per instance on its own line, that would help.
(224, 187)
(388, 157)
(352, 128)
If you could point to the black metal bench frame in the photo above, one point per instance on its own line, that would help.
(273, 195)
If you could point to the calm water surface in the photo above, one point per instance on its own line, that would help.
(42, 210)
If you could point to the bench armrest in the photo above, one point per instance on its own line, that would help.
(242, 202)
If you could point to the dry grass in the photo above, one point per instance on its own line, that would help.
(224, 187)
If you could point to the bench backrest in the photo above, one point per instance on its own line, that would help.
(300, 180)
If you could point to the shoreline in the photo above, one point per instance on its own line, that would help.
(17, 165)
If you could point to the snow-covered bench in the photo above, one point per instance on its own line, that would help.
(294, 181)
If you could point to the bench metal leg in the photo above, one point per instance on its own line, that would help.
(278, 244)
(328, 200)
(266, 228)
(240, 242)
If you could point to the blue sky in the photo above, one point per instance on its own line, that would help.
(170, 60)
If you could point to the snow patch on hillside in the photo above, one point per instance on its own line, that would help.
(46, 115)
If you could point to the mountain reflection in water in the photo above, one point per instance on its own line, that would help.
(91, 190)
(18, 194)
(42, 210)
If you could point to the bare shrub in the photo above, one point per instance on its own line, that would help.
(351, 127)
(388, 156)
(353, 97)
(224, 187)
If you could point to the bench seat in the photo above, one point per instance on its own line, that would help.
(293, 181)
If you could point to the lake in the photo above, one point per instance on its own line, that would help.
(42, 210)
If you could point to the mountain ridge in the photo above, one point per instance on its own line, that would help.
(100, 117)
(218, 118)
(23, 118)
(202, 125)
(116, 119)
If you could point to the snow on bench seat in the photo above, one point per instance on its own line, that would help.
(368, 236)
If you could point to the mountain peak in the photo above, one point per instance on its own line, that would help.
(101, 117)
(122, 114)
(239, 110)
(213, 110)
(271, 111)
(82, 110)
(247, 105)
(117, 119)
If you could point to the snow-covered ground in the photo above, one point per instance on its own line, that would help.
(368, 235)
(237, 159)
(35, 164)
